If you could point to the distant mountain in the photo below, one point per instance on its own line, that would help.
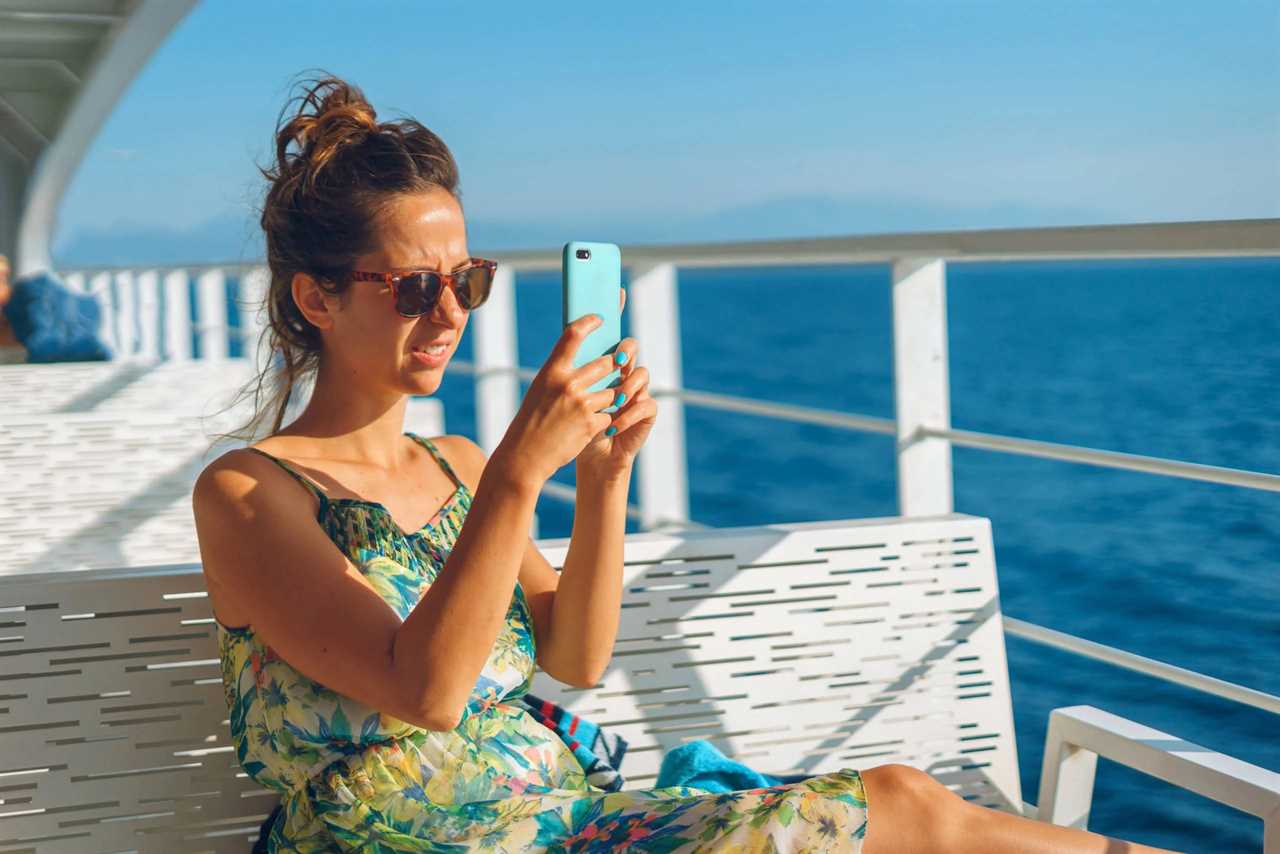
(231, 238)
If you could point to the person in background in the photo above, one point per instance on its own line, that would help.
(43, 320)
(11, 349)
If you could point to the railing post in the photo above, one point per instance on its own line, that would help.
(102, 290)
(126, 313)
(1066, 780)
(497, 385)
(496, 361)
(211, 314)
(149, 314)
(177, 316)
(922, 391)
(253, 315)
(652, 301)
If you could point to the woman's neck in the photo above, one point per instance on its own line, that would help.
(352, 421)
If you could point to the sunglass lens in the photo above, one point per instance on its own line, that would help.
(418, 294)
(474, 285)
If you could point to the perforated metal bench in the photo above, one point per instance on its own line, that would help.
(795, 648)
(128, 385)
(112, 487)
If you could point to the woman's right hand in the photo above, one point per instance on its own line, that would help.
(558, 416)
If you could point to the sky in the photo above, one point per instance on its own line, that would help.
(678, 122)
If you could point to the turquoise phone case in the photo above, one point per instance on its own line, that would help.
(593, 286)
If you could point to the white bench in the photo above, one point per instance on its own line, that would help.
(129, 385)
(795, 648)
(112, 487)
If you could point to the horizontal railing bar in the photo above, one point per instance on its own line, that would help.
(965, 438)
(1207, 239)
(786, 411)
(1141, 664)
(1110, 459)
(567, 493)
(750, 406)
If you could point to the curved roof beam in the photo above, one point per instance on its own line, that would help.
(63, 66)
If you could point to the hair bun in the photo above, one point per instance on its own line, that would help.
(332, 114)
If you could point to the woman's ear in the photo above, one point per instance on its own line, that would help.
(316, 305)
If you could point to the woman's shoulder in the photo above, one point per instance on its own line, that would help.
(242, 479)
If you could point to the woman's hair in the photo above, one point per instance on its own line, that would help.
(337, 169)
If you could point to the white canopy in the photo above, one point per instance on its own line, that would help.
(63, 66)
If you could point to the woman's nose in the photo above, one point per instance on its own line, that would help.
(448, 310)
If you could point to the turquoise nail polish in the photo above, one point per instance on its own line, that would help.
(622, 395)
(621, 357)
(611, 430)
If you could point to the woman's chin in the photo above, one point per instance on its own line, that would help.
(420, 380)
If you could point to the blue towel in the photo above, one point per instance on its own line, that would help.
(54, 323)
(701, 765)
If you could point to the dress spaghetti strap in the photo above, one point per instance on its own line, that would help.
(439, 457)
(310, 484)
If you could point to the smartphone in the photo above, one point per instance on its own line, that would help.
(591, 274)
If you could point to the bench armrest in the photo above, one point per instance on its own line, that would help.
(1078, 735)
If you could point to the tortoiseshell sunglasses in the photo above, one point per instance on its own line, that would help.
(417, 291)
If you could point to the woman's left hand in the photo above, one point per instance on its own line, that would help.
(611, 456)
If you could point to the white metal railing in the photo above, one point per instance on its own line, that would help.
(922, 427)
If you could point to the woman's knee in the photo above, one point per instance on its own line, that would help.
(909, 810)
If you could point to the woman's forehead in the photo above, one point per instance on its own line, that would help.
(423, 233)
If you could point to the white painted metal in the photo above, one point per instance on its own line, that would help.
(1078, 735)
(177, 316)
(424, 416)
(1207, 239)
(211, 314)
(804, 648)
(922, 391)
(102, 489)
(53, 133)
(784, 411)
(121, 386)
(496, 356)
(149, 321)
(102, 290)
(126, 303)
(662, 465)
(1111, 459)
(1140, 664)
(799, 648)
(253, 313)
(497, 387)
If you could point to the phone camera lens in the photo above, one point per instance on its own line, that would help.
(584, 254)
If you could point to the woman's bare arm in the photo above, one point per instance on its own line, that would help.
(307, 601)
(575, 645)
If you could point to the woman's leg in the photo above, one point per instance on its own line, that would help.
(908, 811)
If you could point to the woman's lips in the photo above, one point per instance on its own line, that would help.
(431, 360)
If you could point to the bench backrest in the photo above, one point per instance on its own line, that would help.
(794, 648)
(113, 488)
(127, 385)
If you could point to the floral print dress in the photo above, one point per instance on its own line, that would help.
(352, 778)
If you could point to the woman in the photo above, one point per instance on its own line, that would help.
(371, 659)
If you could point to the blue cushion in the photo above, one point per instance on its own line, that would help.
(53, 322)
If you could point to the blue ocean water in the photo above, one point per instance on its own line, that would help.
(1170, 358)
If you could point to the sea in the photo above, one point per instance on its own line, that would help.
(1168, 358)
